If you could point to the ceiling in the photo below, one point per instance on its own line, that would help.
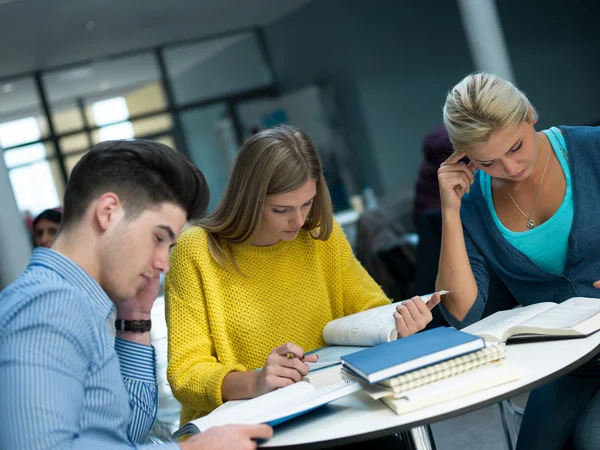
(40, 34)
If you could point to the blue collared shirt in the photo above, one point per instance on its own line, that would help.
(64, 383)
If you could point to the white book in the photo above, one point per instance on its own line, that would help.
(273, 408)
(575, 317)
(366, 328)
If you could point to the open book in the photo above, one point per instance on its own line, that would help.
(273, 408)
(576, 317)
(366, 328)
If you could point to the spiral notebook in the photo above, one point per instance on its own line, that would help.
(395, 387)
(446, 369)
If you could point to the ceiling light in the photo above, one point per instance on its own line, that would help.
(90, 25)
(104, 85)
(8, 87)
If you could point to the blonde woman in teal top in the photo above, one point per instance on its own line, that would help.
(534, 242)
(526, 207)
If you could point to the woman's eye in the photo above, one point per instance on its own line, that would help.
(515, 150)
(279, 211)
(488, 164)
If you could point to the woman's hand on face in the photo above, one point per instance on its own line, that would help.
(413, 315)
(285, 365)
(455, 179)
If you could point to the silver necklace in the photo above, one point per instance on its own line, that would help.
(530, 222)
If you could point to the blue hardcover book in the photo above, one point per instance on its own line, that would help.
(413, 352)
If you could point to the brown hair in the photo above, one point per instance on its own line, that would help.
(273, 161)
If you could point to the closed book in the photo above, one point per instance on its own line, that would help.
(410, 353)
(452, 388)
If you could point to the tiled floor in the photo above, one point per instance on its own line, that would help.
(478, 430)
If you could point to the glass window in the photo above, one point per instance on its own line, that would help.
(149, 126)
(70, 162)
(216, 68)
(34, 186)
(67, 118)
(27, 154)
(122, 130)
(19, 132)
(166, 139)
(135, 79)
(19, 100)
(208, 131)
(74, 143)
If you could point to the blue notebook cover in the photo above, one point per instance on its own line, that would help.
(413, 352)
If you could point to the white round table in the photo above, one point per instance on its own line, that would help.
(357, 417)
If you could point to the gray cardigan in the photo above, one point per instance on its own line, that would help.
(529, 283)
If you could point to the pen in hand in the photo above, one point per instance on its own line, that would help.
(292, 355)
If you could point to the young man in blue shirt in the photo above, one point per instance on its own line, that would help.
(64, 383)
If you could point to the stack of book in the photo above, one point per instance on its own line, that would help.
(428, 368)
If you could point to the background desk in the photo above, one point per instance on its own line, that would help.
(358, 417)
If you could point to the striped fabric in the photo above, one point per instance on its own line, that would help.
(63, 382)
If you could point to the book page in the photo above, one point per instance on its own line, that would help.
(497, 324)
(307, 402)
(326, 377)
(366, 328)
(569, 314)
(242, 411)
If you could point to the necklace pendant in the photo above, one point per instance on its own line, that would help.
(530, 224)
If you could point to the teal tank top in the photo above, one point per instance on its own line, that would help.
(534, 242)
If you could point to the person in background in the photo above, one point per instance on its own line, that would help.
(260, 277)
(45, 227)
(436, 148)
(521, 190)
(64, 382)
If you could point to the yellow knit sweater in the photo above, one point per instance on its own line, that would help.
(222, 321)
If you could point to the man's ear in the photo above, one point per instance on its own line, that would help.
(108, 210)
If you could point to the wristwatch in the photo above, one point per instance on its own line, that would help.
(137, 326)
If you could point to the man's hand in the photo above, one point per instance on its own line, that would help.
(228, 437)
(139, 306)
(414, 314)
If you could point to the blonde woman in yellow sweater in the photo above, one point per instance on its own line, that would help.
(261, 276)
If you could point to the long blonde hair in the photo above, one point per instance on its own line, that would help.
(480, 104)
(273, 161)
